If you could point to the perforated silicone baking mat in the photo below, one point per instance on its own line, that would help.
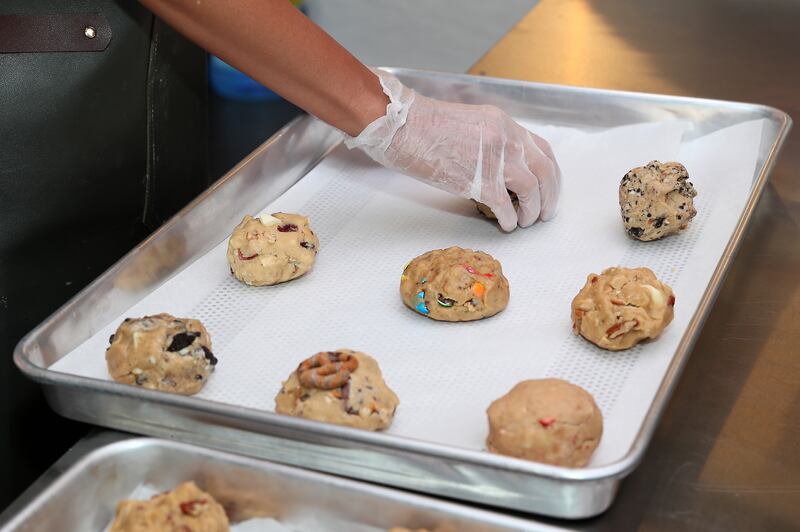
(371, 221)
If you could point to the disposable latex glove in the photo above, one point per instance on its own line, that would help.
(474, 151)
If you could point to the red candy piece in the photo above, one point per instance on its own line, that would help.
(671, 301)
(242, 257)
(546, 421)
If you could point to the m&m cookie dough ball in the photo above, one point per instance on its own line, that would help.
(454, 284)
(548, 420)
(656, 200)
(621, 307)
(185, 508)
(272, 249)
(344, 387)
(161, 352)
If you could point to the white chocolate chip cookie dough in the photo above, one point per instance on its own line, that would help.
(187, 507)
(656, 200)
(344, 387)
(161, 352)
(547, 420)
(621, 307)
(272, 249)
(454, 284)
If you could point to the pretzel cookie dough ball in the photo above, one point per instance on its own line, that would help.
(187, 507)
(547, 420)
(454, 284)
(656, 200)
(272, 249)
(621, 307)
(344, 387)
(161, 352)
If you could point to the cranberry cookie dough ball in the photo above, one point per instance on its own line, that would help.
(187, 507)
(454, 284)
(272, 249)
(344, 387)
(656, 200)
(161, 352)
(547, 420)
(621, 307)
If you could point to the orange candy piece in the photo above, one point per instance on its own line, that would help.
(478, 289)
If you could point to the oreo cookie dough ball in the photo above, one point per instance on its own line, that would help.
(343, 387)
(187, 507)
(454, 284)
(487, 212)
(161, 352)
(621, 307)
(547, 420)
(656, 200)
(272, 249)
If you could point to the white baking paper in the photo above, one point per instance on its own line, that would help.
(371, 221)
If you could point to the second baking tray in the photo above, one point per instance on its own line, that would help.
(415, 463)
(85, 496)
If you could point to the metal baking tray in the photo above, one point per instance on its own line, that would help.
(417, 465)
(85, 496)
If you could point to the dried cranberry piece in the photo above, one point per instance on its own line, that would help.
(181, 340)
(190, 507)
(287, 228)
(245, 257)
(210, 356)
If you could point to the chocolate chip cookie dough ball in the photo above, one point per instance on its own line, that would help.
(161, 352)
(656, 200)
(621, 307)
(454, 284)
(547, 420)
(343, 387)
(187, 507)
(486, 211)
(272, 249)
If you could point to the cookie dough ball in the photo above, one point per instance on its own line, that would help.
(486, 211)
(656, 200)
(187, 507)
(161, 352)
(621, 307)
(454, 284)
(272, 249)
(547, 420)
(343, 387)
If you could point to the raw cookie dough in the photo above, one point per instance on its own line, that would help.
(621, 307)
(656, 200)
(343, 387)
(486, 211)
(161, 352)
(272, 249)
(547, 420)
(187, 507)
(454, 284)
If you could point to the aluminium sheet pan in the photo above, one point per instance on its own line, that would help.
(632, 388)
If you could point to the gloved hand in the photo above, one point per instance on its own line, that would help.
(474, 151)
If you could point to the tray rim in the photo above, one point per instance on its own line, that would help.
(617, 469)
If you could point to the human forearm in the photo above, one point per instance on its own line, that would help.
(274, 43)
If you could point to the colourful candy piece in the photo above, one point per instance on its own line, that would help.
(478, 289)
(421, 294)
(423, 280)
(422, 308)
(445, 301)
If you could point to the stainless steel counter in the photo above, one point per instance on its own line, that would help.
(725, 456)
